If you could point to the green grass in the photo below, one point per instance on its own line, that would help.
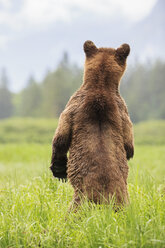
(29, 130)
(35, 215)
(19, 163)
(150, 133)
(33, 205)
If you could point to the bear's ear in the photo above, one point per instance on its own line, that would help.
(89, 48)
(123, 51)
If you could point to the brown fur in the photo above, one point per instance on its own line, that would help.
(96, 129)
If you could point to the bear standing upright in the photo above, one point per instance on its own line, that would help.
(96, 130)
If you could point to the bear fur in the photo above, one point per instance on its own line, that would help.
(96, 130)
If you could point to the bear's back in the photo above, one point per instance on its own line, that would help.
(96, 123)
(97, 108)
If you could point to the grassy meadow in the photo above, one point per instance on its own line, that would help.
(33, 205)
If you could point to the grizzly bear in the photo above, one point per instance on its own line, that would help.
(96, 130)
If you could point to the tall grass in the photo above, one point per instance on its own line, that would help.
(35, 215)
(34, 205)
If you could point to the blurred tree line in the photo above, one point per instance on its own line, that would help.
(6, 104)
(143, 88)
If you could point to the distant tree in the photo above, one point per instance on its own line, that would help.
(6, 106)
(58, 86)
(64, 63)
(30, 99)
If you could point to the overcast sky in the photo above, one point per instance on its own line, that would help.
(22, 19)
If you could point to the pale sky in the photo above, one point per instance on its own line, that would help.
(17, 16)
(34, 33)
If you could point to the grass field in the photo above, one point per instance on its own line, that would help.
(33, 205)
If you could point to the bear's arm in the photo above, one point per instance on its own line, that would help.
(63, 135)
(60, 145)
(127, 128)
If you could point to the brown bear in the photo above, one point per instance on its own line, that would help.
(96, 130)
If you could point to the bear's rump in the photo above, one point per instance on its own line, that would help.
(97, 176)
(103, 183)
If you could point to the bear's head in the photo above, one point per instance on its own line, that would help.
(104, 65)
